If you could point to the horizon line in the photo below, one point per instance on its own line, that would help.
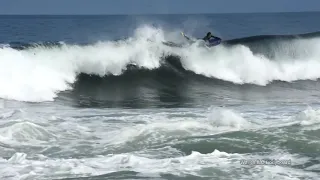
(121, 14)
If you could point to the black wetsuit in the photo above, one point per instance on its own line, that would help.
(206, 38)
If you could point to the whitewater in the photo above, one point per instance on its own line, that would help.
(87, 97)
(39, 73)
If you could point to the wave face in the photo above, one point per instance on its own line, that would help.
(38, 72)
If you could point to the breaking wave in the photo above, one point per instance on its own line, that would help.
(36, 72)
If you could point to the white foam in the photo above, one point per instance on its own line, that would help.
(204, 165)
(308, 117)
(221, 117)
(6, 114)
(18, 158)
(165, 127)
(38, 74)
(239, 65)
(25, 133)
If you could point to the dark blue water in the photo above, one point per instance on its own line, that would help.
(106, 97)
(97, 28)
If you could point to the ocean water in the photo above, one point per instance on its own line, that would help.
(102, 97)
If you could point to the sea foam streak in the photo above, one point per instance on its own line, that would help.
(38, 74)
(19, 166)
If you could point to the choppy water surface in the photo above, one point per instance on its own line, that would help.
(84, 97)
